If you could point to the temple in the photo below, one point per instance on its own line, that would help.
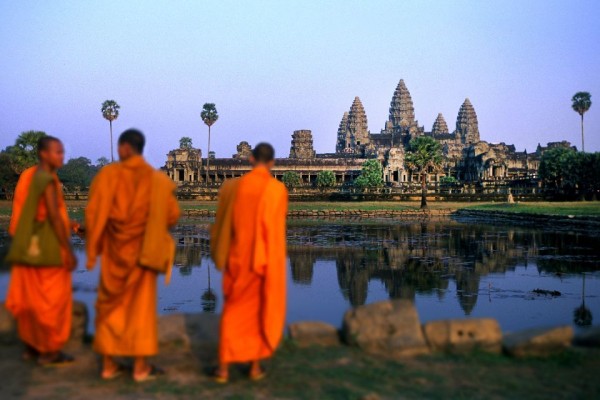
(468, 160)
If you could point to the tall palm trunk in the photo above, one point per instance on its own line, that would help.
(423, 190)
(112, 157)
(582, 143)
(208, 156)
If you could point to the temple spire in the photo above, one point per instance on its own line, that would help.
(402, 110)
(357, 125)
(343, 139)
(439, 126)
(467, 127)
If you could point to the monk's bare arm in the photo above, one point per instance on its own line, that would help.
(51, 198)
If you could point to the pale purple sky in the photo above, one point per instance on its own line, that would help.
(273, 67)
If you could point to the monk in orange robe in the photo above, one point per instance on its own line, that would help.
(131, 208)
(40, 298)
(248, 242)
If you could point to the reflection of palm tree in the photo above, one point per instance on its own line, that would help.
(582, 316)
(209, 298)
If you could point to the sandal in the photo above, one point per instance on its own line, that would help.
(154, 373)
(258, 376)
(118, 371)
(60, 360)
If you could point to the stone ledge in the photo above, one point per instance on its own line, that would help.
(538, 342)
(314, 333)
(464, 335)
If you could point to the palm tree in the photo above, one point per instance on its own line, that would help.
(582, 101)
(209, 115)
(110, 111)
(424, 155)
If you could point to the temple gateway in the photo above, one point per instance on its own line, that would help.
(467, 158)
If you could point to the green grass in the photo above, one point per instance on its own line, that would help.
(543, 208)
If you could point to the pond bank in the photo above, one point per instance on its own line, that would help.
(333, 372)
(588, 222)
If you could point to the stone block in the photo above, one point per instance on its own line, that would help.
(538, 341)
(313, 333)
(172, 331)
(389, 328)
(185, 330)
(464, 335)
(590, 337)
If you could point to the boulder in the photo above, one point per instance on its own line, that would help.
(538, 341)
(590, 337)
(172, 331)
(185, 330)
(464, 335)
(313, 333)
(8, 327)
(389, 328)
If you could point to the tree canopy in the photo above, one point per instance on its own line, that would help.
(424, 153)
(581, 102)
(77, 173)
(110, 110)
(568, 172)
(23, 154)
(326, 179)
(371, 175)
(291, 179)
(209, 114)
(185, 142)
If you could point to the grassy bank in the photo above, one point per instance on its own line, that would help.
(319, 373)
(580, 209)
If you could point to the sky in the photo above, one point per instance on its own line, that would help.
(272, 67)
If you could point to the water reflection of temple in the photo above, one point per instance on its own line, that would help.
(425, 258)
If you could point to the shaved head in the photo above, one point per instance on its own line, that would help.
(133, 138)
(263, 153)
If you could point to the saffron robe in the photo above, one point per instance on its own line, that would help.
(40, 298)
(254, 278)
(131, 208)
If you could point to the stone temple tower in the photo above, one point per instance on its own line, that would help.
(343, 137)
(357, 124)
(467, 127)
(402, 110)
(439, 126)
(402, 115)
(302, 145)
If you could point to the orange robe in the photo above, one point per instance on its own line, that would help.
(40, 298)
(254, 283)
(122, 198)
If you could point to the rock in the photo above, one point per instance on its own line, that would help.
(538, 341)
(79, 323)
(311, 333)
(8, 327)
(172, 331)
(460, 336)
(185, 330)
(389, 328)
(590, 337)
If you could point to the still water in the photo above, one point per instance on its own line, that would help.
(450, 269)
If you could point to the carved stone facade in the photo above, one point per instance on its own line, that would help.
(353, 132)
(244, 151)
(466, 157)
(439, 126)
(183, 165)
(467, 127)
(302, 145)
